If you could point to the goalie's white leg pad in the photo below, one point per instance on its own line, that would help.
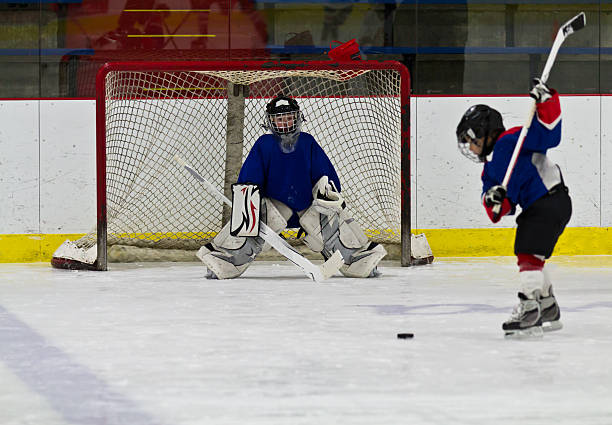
(311, 223)
(363, 263)
(275, 214)
(226, 241)
(351, 234)
(327, 233)
(220, 263)
(228, 256)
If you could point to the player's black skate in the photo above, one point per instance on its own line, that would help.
(550, 313)
(525, 320)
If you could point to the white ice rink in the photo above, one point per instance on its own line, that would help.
(146, 344)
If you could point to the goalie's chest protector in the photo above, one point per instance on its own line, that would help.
(287, 177)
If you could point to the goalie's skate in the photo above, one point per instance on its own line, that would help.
(525, 320)
(550, 313)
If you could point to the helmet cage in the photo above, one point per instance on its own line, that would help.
(464, 140)
(283, 122)
(286, 126)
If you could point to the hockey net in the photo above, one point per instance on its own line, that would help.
(211, 113)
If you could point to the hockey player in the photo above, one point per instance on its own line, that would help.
(299, 187)
(537, 186)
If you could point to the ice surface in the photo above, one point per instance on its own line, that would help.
(159, 344)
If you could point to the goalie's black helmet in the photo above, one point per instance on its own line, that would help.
(479, 121)
(284, 119)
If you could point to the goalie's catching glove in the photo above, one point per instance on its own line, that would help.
(540, 91)
(327, 199)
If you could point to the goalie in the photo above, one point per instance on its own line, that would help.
(287, 181)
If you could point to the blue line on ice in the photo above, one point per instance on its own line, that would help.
(72, 389)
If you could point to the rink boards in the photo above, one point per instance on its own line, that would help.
(48, 174)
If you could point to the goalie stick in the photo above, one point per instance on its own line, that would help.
(575, 24)
(316, 273)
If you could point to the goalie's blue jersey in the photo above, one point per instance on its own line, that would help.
(534, 174)
(287, 177)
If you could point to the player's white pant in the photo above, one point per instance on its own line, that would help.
(535, 284)
(335, 230)
(227, 256)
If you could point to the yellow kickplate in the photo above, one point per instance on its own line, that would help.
(487, 242)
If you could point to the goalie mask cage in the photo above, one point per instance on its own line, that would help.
(211, 113)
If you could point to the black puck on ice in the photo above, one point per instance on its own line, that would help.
(405, 335)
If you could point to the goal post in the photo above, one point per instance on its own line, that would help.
(211, 113)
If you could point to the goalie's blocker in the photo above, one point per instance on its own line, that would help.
(246, 211)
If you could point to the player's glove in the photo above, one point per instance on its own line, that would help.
(327, 199)
(495, 196)
(540, 91)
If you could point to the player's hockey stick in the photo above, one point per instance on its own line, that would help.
(576, 23)
(316, 273)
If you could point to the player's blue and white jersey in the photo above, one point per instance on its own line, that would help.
(534, 174)
(287, 177)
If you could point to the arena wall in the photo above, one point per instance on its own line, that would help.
(47, 176)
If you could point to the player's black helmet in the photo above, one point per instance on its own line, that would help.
(285, 121)
(479, 121)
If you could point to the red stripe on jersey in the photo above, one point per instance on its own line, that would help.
(509, 131)
(549, 111)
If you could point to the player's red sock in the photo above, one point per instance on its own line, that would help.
(529, 262)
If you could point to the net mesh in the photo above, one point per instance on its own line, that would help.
(153, 116)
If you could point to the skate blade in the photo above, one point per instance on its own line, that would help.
(552, 326)
(529, 333)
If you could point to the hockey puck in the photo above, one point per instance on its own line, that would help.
(405, 335)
